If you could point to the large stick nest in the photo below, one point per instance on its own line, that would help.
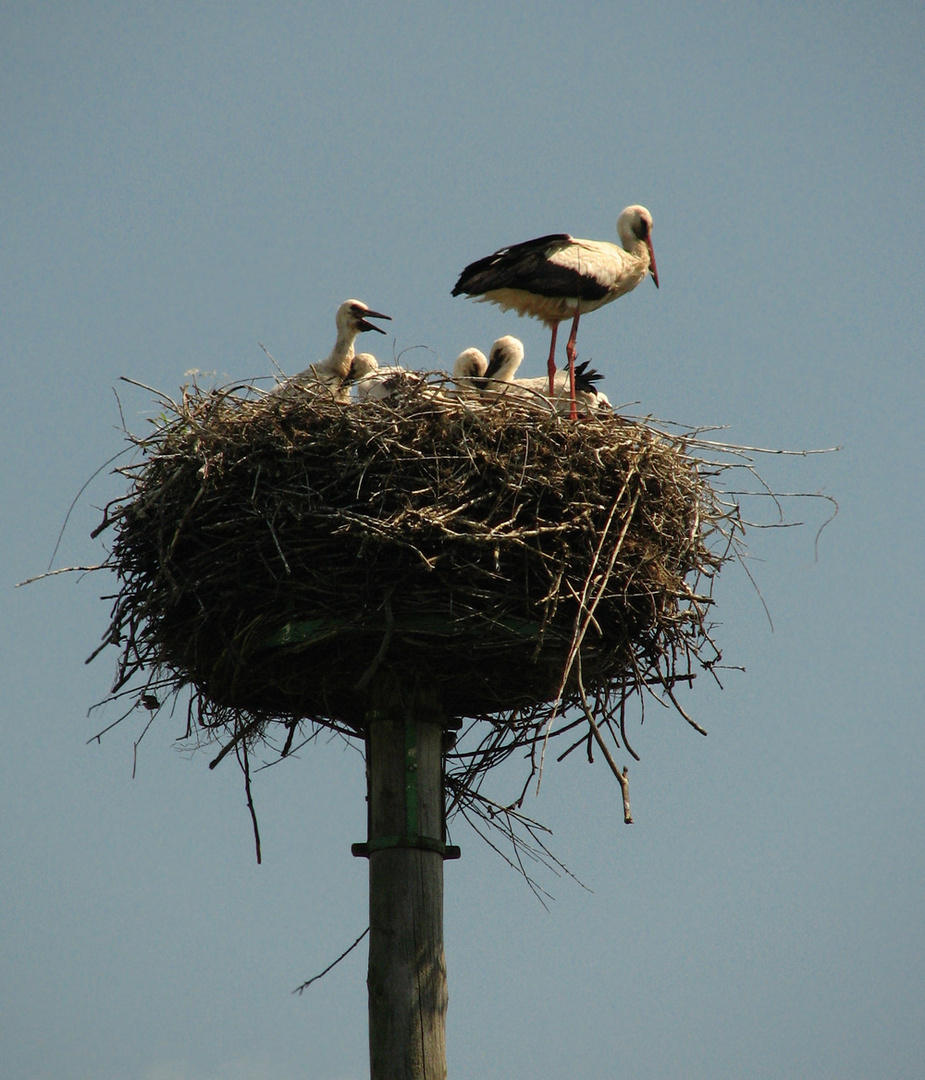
(288, 556)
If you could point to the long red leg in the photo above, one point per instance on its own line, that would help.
(551, 365)
(570, 353)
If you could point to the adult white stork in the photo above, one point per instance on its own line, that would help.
(351, 319)
(555, 277)
(504, 360)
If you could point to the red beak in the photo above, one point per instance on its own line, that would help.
(653, 270)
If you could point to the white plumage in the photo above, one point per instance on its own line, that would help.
(378, 383)
(364, 367)
(470, 365)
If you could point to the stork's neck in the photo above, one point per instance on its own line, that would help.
(343, 352)
(639, 250)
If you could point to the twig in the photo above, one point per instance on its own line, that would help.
(241, 753)
(346, 952)
(608, 757)
(62, 570)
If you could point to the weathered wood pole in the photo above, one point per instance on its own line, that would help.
(407, 966)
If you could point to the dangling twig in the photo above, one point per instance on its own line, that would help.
(605, 750)
(315, 978)
(240, 750)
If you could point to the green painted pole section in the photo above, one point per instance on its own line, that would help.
(407, 967)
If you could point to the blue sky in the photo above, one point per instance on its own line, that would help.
(182, 183)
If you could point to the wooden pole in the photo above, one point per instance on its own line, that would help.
(407, 967)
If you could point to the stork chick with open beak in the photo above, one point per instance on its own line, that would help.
(352, 319)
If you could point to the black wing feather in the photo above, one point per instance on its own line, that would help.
(526, 266)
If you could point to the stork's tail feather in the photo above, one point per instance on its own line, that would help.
(586, 377)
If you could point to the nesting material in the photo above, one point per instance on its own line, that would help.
(288, 556)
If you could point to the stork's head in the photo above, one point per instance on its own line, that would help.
(504, 358)
(471, 363)
(352, 317)
(634, 227)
